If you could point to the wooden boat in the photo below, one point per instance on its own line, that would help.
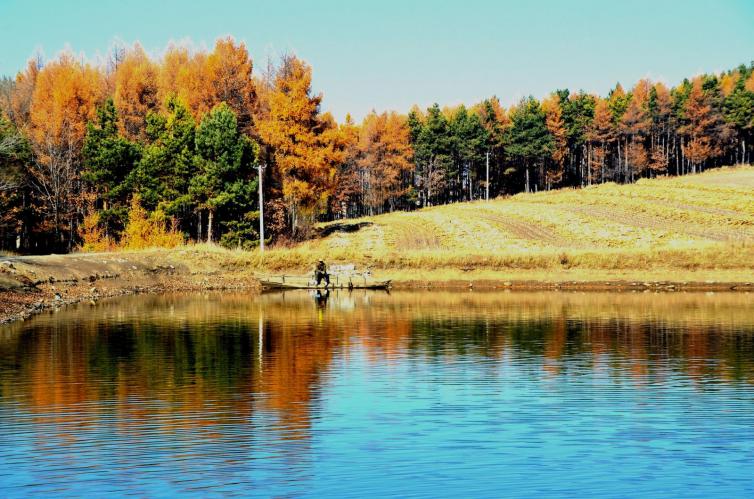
(336, 282)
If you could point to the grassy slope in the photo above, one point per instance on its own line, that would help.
(702, 225)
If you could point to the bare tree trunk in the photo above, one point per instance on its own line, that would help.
(589, 164)
(743, 150)
(620, 160)
(471, 193)
(210, 217)
(199, 226)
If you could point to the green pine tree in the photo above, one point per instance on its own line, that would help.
(162, 176)
(528, 140)
(108, 161)
(225, 182)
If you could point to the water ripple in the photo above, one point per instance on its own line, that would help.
(409, 395)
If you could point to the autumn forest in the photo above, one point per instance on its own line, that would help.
(157, 152)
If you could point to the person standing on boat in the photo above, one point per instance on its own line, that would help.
(320, 274)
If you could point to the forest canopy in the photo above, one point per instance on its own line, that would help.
(171, 147)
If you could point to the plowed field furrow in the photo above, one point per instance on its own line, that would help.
(527, 229)
(645, 221)
(413, 233)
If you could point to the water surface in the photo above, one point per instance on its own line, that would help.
(403, 394)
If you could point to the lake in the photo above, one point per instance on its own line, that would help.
(410, 394)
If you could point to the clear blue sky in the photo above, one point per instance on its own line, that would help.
(390, 54)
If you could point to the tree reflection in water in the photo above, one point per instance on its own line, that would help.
(205, 368)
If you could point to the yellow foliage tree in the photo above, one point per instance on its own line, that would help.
(92, 235)
(144, 231)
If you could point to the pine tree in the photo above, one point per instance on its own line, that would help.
(225, 178)
(528, 141)
(167, 164)
(108, 160)
(469, 144)
(739, 112)
(433, 156)
(578, 112)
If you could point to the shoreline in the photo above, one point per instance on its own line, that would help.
(615, 285)
(33, 284)
(19, 305)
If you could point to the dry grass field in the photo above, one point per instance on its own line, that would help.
(671, 213)
(699, 222)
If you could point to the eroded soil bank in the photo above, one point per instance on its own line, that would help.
(32, 284)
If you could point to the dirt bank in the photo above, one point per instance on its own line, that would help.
(31, 284)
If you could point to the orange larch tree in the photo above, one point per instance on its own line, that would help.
(229, 74)
(635, 127)
(136, 79)
(385, 159)
(556, 126)
(698, 127)
(601, 135)
(347, 200)
(660, 111)
(184, 75)
(65, 99)
(203, 80)
(20, 101)
(305, 145)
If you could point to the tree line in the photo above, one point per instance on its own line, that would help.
(143, 150)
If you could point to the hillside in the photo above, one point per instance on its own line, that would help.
(669, 213)
(696, 227)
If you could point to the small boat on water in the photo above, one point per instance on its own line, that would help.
(336, 282)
